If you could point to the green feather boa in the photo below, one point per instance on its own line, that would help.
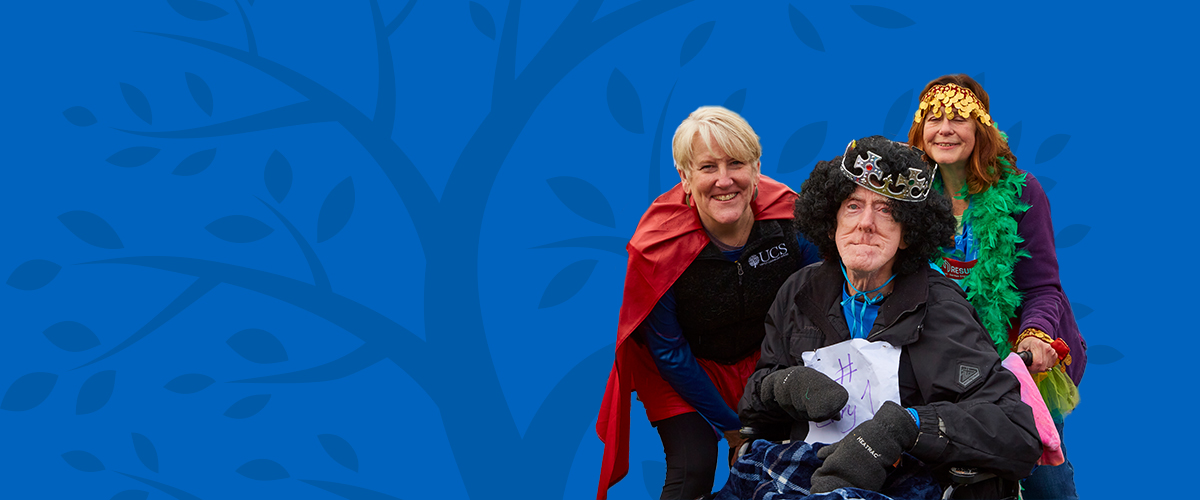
(990, 286)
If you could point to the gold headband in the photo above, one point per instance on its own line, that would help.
(951, 96)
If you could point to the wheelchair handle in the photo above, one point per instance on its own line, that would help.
(1027, 357)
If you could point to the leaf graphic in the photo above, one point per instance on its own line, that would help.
(567, 283)
(802, 147)
(349, 491)
(33, 274)
(257, 346)
(83, 461)
(165, 488)
(28, 391)
(263, 470)
(95, 392)
(71, 336)
(90, 228)
(623, 102)
(195, 163)
(132, 157)
(340, 451)
(239, 229)
(483, 20)
(898, 115)
(805, 30)
(145, 451)
(131, 495)
(248, 406)
(200, 92)
(1047, 183)
(1081, 311)
(278, 176)
(336, 210)
(137, 102)
(1070, 235)
(882, 17)
(695, 41)
(188, 384)
(735, 101)
(584, 199)
(79, 115)
(1014, 136)
(1103, 355)
(654, 474)
(197, 10)
(979, 78)
(611, 244)
(1051, 147)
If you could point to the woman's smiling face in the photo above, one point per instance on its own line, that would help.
(950, 138)
(721, 186)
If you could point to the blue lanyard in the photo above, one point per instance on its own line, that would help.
(855, 320)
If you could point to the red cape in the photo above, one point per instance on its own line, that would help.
(667, 240)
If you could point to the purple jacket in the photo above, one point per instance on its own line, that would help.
(1045, 305)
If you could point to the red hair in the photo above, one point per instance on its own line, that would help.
(983, 166)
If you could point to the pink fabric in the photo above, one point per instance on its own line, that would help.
(1051, 444)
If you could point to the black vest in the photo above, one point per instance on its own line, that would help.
(721, 304)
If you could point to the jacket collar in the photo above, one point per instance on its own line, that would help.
(820, 300)
(760, 233)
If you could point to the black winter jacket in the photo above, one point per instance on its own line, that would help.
(969, 405)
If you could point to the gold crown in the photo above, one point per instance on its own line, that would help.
(951, 96)
(910, 186)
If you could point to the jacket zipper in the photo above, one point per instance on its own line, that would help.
(920, 326)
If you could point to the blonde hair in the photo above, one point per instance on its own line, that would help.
(715, 123)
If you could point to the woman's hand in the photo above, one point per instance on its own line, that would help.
(1044, 357)
(735, 442)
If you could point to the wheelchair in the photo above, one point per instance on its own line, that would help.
(959, 482)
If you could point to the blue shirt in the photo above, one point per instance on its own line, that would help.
(851, 310)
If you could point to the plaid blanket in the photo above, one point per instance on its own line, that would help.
(770, 471)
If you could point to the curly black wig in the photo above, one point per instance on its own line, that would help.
(927, 225)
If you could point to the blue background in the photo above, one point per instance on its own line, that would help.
(375, 247)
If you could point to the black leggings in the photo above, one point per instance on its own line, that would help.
(691, 448)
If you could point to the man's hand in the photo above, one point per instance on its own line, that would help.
(804, 393)
(861, 459)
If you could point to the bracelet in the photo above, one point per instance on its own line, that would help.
(1033, 332)
(1057, 344)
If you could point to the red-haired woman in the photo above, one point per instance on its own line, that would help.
(1004, 250)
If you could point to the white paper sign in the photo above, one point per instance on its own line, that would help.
(868, 372)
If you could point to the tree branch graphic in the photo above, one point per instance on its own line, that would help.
(454, 323)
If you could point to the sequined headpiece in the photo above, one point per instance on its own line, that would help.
(910, 186)
(960, 99)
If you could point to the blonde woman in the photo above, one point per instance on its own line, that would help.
(704, 266)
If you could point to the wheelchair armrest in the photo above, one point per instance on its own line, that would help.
(963, 476)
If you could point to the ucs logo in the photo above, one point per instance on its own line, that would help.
(769, 255)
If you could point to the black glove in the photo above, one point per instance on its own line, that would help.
(804, 393)
(861, 459)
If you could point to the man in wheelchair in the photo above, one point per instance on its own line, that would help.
(877, 220)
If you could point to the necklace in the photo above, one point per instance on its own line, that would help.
(990, 286)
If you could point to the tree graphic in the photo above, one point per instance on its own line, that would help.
(448, 357)
(453, 320)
